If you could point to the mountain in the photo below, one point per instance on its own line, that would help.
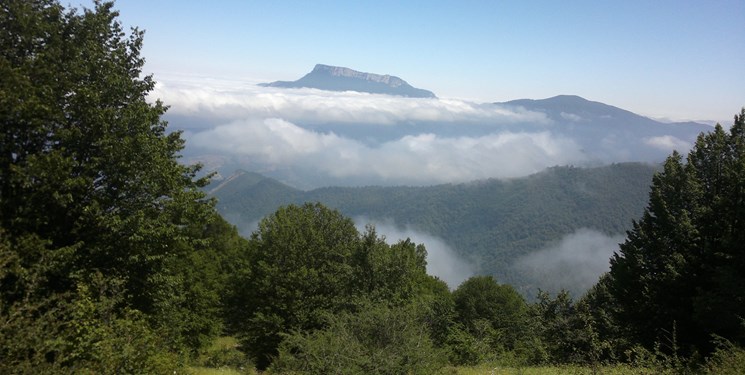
(415, 142)
(578, 111)
(334, 78)
(611, 134)
(490, 223)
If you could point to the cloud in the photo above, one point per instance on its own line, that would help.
(571, 116)
(442, 261)
(220, 102)
(416, 159)
(575, 263)
(668, 143)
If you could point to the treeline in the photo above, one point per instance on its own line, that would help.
(493, 221)
(113, 260)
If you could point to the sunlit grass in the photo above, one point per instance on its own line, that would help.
(212, 371)
(224, 342)
(546, 370)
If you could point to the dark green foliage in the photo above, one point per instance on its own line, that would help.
(104, 234)
(568, 330)
(438, 309)
(487, 308)
(224, 352)
(494, 221)
(85, 160)
(301, 268)
(600, 309)
(306, 262)
(388, 273)
(727, 359)
(81, 332)
(375, 340)
(679, 277)
(196, 284)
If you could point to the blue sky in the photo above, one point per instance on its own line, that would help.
(672, 59)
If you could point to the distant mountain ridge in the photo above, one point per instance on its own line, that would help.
(491, 223)
(336, 78)
(576, 109)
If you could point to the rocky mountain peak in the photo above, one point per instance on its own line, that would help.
(338, 71)
(337, 78)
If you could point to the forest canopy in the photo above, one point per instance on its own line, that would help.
(113, 259)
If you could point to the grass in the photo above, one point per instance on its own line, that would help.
(546, 370)
(212, 371)
(224, 342)
(222, 358)
(479, 370)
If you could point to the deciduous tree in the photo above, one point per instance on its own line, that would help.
(90, 182)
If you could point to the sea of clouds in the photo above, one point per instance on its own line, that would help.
(350, 136)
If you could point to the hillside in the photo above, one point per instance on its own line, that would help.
(489, 223)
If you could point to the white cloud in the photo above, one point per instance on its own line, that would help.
(575, 263)
(223, 102)
(442, 261)
(417, 159)
(668, 143)
(571, 116)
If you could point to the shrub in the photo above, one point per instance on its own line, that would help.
(376, 340)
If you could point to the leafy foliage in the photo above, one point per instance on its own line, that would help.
(308, 262)
(679, 274)
(300, 268)
(81, 332)
(375, 340)
(487, 308)
(104, 234)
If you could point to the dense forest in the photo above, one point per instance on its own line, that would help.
(490, 223)
(114, 260)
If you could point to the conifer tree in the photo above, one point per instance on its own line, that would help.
(678, 278)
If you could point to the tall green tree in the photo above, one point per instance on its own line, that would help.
(389, 273)
(678, 278)
(90, 182)
(300, 269)
(482, 303)
(307, 262)
(85, 159)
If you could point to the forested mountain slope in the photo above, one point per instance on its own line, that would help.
(489, 223)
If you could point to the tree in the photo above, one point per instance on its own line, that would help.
(569, 330)
(306, 262)
(90, 183)
(677, 279)
(389, 273)
(481, 301)
(301, 269)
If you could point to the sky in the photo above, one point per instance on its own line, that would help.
(678, 60)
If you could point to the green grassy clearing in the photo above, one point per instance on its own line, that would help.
(546, 370)
(212, 371)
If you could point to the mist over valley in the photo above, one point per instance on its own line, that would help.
(324, 130)
(476, 187)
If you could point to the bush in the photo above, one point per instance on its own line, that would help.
(224, 353)
(468, 349)
(80, 333)
(727, 359)
(376, 340)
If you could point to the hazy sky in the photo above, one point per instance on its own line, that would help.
(673, 59)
